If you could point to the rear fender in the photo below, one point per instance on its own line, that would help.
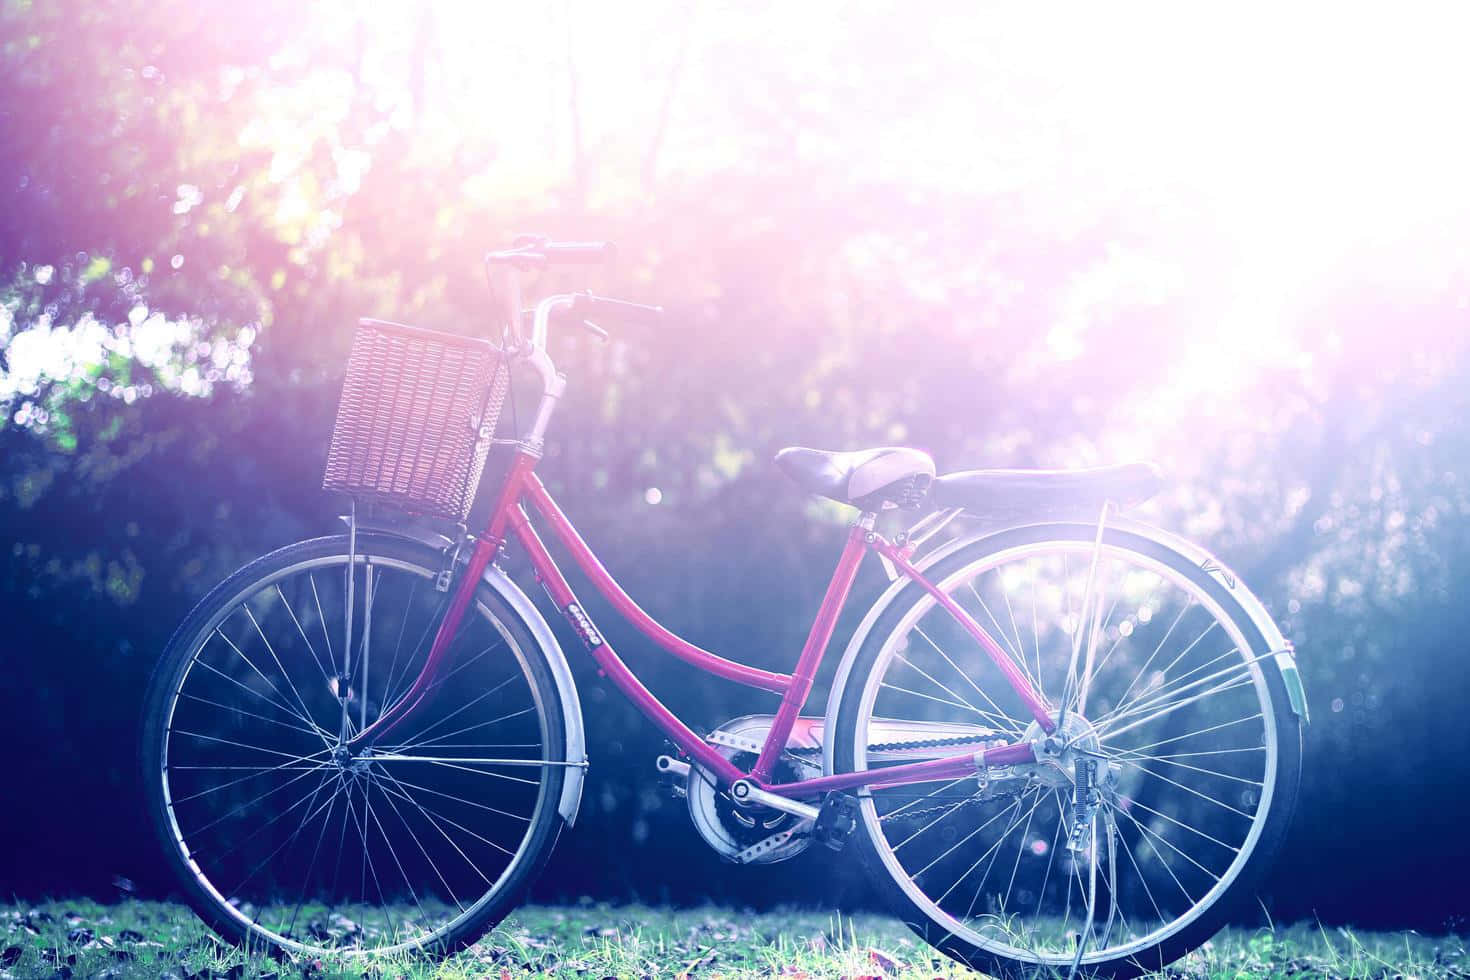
(1254, 610)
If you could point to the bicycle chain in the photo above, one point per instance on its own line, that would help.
(933, 743)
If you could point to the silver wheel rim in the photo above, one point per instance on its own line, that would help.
(991, 564)
(336, 563)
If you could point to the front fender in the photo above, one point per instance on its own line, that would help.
(1259, 617)
(561, 673)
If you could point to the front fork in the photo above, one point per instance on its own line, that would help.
(462, 591)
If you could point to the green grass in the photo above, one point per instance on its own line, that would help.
(83, 939)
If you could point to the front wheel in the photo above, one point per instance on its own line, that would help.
(279, 835)
(1184, 713)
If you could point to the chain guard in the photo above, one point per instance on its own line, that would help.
(747, 834)
(758, 835)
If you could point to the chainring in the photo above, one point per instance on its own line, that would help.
(733, 830)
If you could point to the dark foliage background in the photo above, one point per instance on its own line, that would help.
(978, 234)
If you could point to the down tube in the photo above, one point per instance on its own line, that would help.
(607, 658)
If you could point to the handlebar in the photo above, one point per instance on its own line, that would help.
(533, 252)
(585, 304)
(579, 307)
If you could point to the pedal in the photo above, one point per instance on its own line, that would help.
(673, 774)
(836, 820)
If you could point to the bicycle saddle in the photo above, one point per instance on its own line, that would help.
(1081, 491)
(873, 479)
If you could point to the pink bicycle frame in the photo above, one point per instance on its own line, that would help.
(509, 517)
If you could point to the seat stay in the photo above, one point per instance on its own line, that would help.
(1035, 703)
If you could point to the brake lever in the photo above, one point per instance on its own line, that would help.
(595, 330)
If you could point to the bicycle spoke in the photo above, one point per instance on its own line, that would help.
(993, 847)
(1051, 855)
(1152, 693)
(1016, 866)
(322, 620)
(1142, 671)
(1143, 836)
(341, 836)
(461, 799)
(254, 748)
(434, 819)
(923, 674)
(265, 826)
(1235, 672)
(392, 852)
(1005, 641)
(1036, 627)
(419, 844)
(1194, 792)
(249, 803)
(390, 695)
(326, 675)
(311, 866)
(1184, 826)
(1179, 738)
(411, 743)
(1214, 878)
(928, 697)
(1192, 755)
(1012, 724)
(248, 714)
(290, 711)
(950, 810)
(256, 772)
(305, 713)
(368, 865)
(440, 682)
(1230, 685)
(919, 799)
(480, 772)
(1142, 880)
(1199, 769)
(398, 643)
(963, 840)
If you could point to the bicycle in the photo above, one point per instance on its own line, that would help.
(1073, 742)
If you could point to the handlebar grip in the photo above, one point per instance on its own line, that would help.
(588, 305)
(578, 253)
(531, 252)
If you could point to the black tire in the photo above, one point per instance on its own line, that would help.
(544, 825)
(1240, 895)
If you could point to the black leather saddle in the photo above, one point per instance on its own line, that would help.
(893, 476)
(897, 476)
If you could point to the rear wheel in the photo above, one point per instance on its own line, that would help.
(277, 833)
(1184, 712)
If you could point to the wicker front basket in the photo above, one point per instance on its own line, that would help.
(417, 413)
